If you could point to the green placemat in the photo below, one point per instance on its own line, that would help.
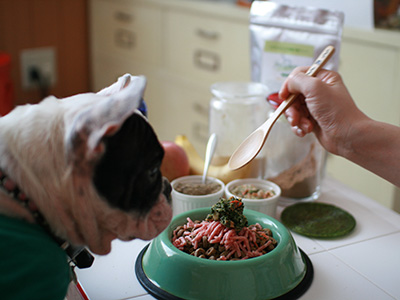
(318, 220)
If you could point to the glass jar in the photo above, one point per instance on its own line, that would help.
(236, 110)
(296, 164)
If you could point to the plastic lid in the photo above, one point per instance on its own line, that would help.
(239, 90)
(274, 99)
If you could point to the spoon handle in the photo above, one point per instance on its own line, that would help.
(320, 61)
(210, 149)
(312, 71)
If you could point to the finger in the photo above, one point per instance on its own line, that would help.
(285, 91)
(306, 125)
(292, 115)
(298, 131)
(299, 83)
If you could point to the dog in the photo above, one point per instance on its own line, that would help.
(89, 165)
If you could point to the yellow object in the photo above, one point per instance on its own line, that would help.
(196, 163)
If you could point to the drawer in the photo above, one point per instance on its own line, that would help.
(106, 70)
(178, 106)
(126, 30)
(206, 48)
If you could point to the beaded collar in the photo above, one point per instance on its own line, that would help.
(12, 190)
(79, 256)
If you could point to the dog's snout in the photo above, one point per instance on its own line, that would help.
(167, 189)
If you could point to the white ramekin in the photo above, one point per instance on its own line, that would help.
(267, 206)
(183, 202)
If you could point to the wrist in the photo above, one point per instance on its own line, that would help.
(355, 141)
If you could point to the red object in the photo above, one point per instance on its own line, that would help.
(245, 3)
(175, 162)
(81, 291)
(274, 100)
(6, 86)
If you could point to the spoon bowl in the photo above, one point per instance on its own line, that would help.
(253, 144)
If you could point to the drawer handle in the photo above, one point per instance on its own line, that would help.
(207, 34)
(124, 38)
(206, 60)
(123, 17)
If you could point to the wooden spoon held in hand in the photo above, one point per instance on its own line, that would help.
(252, 145)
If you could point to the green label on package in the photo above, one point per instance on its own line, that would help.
(280, 58)
(289, 48)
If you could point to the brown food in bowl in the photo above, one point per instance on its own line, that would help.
(197, 188)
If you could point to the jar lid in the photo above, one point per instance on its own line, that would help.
(239, 90)
(274, 100)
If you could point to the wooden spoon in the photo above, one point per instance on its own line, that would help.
(252, 145)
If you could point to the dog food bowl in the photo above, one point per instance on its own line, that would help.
(169, 273)
(182, 202)
(265, 205)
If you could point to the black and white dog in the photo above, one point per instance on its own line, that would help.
(90, 165)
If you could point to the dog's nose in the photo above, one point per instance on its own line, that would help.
(167, 189)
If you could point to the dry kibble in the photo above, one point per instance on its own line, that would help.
(211, 251)
(206, 244)
(198, 252)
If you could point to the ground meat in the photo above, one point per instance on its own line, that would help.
(212, 240)
(224, 234)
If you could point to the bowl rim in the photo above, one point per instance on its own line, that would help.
(192, 197)
(283, 234)
(276, 188)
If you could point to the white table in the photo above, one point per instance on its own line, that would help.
(362, 265)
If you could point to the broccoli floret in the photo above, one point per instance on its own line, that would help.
(229, 212)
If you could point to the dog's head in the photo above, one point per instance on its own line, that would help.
(95, 174)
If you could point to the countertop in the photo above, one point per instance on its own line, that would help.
(363, 265)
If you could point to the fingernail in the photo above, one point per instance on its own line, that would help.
(306, 127)
(290, 119)
(299, 132)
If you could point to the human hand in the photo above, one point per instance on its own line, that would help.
(324, 106)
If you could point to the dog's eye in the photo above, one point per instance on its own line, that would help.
(153, 173)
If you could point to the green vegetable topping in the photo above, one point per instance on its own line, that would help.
(229, 212)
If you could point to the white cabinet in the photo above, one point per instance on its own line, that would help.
(127, 30)
(204, 48)
(199, 51)
(183, 47)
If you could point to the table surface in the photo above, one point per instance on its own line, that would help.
(363, 265)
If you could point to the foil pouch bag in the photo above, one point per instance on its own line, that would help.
(283, 37)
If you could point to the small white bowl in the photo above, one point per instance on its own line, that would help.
(267, 205)
(183, 202)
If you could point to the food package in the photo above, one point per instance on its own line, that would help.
(283, 37)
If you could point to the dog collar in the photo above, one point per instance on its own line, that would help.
(79, 256)
(12, 190)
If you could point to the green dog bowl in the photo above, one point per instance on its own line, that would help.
(169, 273)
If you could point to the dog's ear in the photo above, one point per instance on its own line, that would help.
(120, 84)
(102, 115)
